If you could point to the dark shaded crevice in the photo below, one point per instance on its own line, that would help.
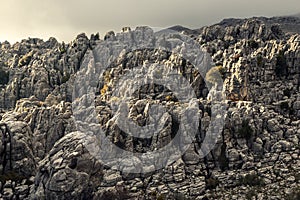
(6, 155)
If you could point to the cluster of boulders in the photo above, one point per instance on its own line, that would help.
(43, 151)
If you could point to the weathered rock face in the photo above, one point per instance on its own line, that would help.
(43, 156)
(68, 171)
(36, 68)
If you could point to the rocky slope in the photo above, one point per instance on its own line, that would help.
(43, 155)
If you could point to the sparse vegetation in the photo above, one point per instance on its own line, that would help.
(107, 76)
(168, 98)
(250, 194)
(65, 78)
(115, 99)
(245, 131)
(104, 89)
(295, 195)
(260, 61)
(212, 183)
(222, 71)
(255, 156)
(215, 73)
(161, 197)
(62, 48)
(12, 175)
(284, 105)
(115, 194)
(253, 44)
(252, 180)
(281, 68)
(4, 77)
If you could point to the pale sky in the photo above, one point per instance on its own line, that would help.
(64, 19)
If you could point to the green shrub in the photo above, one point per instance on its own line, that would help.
(252, 180)
(62, 48)
(260, 61)
(284, 105)
(115, 195)
(253, 44)
(12, 175)
(65, 78)
(250, 194)
(281, 68)
(245, 131)
(211, 183)
(4, 77)
(161, 197)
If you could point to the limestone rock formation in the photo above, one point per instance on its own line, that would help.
(43, 153)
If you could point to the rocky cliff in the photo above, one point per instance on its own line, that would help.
(43, 155)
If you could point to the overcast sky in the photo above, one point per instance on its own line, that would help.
(64, 19)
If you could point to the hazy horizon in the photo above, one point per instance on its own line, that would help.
(66, 19)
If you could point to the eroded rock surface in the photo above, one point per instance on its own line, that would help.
(43, 154)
